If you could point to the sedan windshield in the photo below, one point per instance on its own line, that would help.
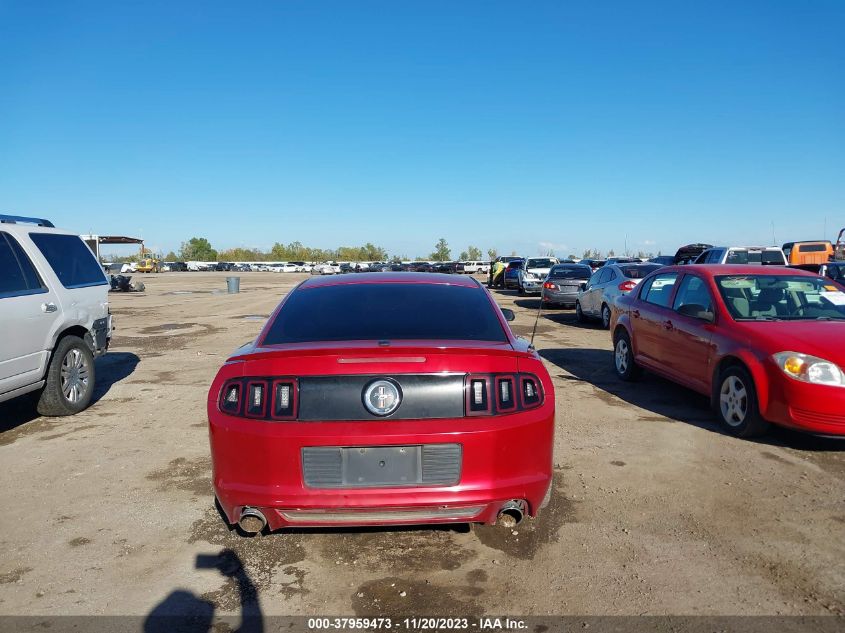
(386, 311)
(781, 297)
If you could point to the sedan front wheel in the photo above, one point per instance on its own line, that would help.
(736, 404)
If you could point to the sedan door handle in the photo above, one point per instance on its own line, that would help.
(668, 325)
(49, 307)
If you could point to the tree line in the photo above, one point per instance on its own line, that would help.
(200, 249)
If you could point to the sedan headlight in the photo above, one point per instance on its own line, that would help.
(811, 369)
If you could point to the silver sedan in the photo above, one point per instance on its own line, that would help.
(563, 283)
(605, 286)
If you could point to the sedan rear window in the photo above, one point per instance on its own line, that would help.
(570, 272)
(71, 260)
(386, 311)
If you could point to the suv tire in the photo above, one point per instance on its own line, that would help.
(70, 379)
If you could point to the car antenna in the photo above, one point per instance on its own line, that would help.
(537, 319)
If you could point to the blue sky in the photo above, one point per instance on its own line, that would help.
(514, 125)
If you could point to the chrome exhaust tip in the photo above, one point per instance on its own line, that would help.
(511, 513)
(252, 520)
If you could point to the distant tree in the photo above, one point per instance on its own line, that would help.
(492, 253)
(442, 252)
(464, 256)
(473, 253)
(197, 249)
(170, 257)
(549, 252)
(611, 253)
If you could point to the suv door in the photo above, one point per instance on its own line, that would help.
(29, 310)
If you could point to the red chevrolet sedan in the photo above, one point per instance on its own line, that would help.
(383, 399)
(767, 344)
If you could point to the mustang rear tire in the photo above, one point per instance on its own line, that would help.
(736, 403)
(70, 379)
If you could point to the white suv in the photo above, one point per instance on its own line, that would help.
(761, 255)
(54, 315)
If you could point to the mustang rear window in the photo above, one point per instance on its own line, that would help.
(386, 311)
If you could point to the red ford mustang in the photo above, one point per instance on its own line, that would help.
(382, 399)
(767, 344)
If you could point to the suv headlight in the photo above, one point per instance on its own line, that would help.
(811, 369)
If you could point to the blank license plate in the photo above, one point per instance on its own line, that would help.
(382, 466)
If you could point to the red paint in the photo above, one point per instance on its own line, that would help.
(506, 455)
(689, 351)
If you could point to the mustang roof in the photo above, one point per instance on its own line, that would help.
(390, 278)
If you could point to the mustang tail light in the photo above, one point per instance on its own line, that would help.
(260, 398)
(627, 286)
(510, 392)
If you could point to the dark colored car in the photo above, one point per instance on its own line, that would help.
(689, 253)
(766, 344)
(563, 284)
(448, 268)
(511, 273)
(505, 259)
(178, 266)
(431, 411)
(346, 268)
(420, 267)
(594, 264)
(222, 267)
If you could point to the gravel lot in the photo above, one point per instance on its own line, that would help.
(654, 511)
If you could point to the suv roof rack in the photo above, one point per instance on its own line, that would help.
(14, 219)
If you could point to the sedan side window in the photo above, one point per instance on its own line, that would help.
(693, 291)
(660, 290)
(605, 275)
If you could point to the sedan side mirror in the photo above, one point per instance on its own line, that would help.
(509, 314)
(584, 286)
(697, 311)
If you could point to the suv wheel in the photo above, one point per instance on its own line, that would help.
(623, 358)
(736, 404)
(605, 317)
(70, 379)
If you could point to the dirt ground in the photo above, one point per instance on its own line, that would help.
(654, 510)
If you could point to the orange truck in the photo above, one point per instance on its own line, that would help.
(799, 253)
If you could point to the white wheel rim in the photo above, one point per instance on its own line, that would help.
(733, 401)
(621, 356)
(75, 375)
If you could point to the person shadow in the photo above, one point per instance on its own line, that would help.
(184, 612)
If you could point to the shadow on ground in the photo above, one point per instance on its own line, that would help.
(110, 369)
(665, 399)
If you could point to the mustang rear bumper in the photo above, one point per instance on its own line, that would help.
(259, 464)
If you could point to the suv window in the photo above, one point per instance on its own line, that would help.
(693, 291)
(71, 260)
(659, 290)
(18, 274)
(406, 311)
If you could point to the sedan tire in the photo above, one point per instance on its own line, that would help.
(579, 313)
(736, 403)
(623, 358)
(605, 316)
